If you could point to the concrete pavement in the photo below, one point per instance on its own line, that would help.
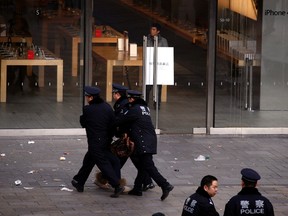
(46, 187)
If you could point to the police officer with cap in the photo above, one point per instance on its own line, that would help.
(120, 107)
(121, 101)
(141, 131)
(249, 200)
(97, 119)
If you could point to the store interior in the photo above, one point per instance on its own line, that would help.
(31, 104)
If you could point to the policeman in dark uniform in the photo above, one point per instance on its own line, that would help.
(200, 203)
(97, 119)
(120, 107)
(142, 132)
(249, 201)
(121, 101)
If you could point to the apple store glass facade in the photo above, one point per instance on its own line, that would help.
(51, 49)
(251, 66)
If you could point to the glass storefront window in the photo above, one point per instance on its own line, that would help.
(43, 60)
(250, 74)
(39, 88)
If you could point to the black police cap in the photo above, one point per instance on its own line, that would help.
(91, 91)
(119, 88)
(250, 175)
(133, 94)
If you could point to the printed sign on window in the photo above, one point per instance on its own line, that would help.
(165, 65)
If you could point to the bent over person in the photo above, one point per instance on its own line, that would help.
(141, 131)
(249, 201)
(97, 119)
(200, 203)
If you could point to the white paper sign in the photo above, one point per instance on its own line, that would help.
(165, 65)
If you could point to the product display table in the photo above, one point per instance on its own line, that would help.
(40, 61)
(112, 57)
(108, 35)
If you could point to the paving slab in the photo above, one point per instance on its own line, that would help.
(46, 190)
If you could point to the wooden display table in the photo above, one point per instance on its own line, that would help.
(71, 32)
(14, 61)
(112, 57)
(19, 39)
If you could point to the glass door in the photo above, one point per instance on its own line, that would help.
(184, 24)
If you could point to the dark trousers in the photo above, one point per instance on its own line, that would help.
(147, 167)
(135, 160)
(148, 90)
(146, 179)
(107, 163)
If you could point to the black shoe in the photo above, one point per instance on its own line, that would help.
(166, 190)
(148, 186)
(135, 192)
(75, 184)
(117, 191)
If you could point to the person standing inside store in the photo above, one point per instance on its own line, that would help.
(162, 42)
(249, 200)
(200, 203)
(97, 119)
(140, 129)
